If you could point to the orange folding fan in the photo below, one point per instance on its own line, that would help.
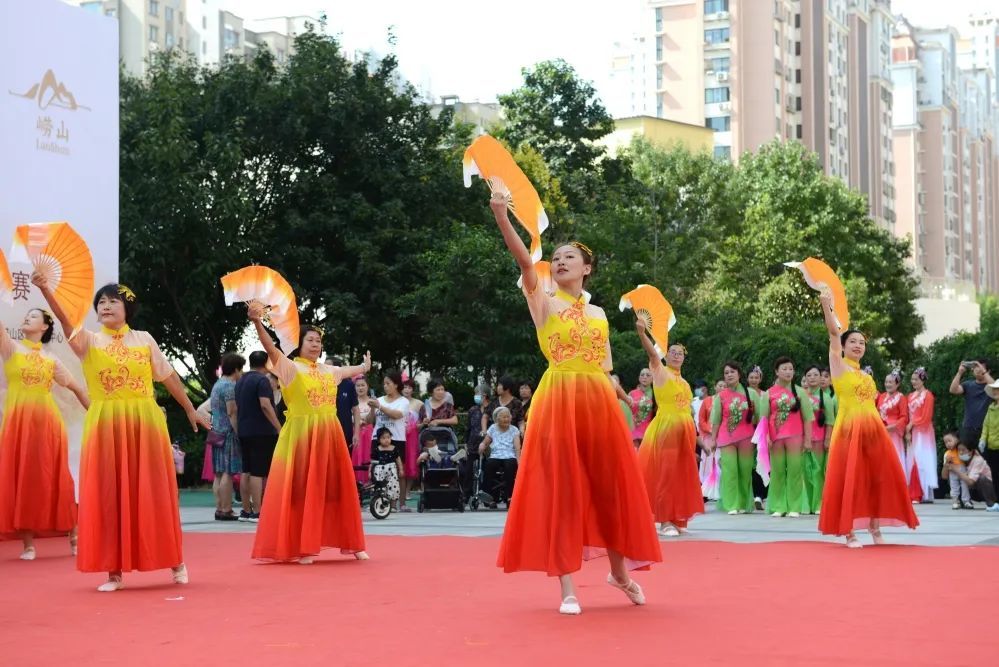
(821, 278)
(266, 286)
(545, 280)
(6, 281)
(487, 158)
(651, 307)
(56, 251)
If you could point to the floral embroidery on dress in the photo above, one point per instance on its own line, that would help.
(324, 393)
(783, 406)
(737, 409)
(917, 401)
(121, 354)
(682, 401)
(35, 371)
(113, 379)
(586, 342)
(888, 404)
(865, 390)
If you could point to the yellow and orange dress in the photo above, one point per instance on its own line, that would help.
(579, 491)
(129, 515)
(864, 478)
(36, 488)
(311, 501)
(668, 457)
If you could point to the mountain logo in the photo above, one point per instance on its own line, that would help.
(49, 92)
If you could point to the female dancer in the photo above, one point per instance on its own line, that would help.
(360, 456)
(311, 499)
(732, 420)
(668, 456)
(894, 409)
(921, 455)
(790, 415)
(865, 485)
(579, 490)
(129, 515)
(814, 471)
(709, 470)
(36, 489)
(754, 379)
(642, 406)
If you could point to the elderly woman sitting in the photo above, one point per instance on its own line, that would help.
(500, 449)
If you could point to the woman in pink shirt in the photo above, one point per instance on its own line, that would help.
(732, 414)
(790, 415)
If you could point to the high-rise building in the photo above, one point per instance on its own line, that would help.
(823, 79)
(630, 91)
(203, 29)
(946, 157)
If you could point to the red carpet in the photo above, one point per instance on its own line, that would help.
(440, 601)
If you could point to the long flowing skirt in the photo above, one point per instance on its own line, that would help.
(921, 463)
(579, 490)
(669, 465)
(864, 479)
(311, 500)
(129, 514)
(36, 489)
(410, 465)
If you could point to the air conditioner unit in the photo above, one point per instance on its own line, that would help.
(722, 15)
(725, 106)
(723, 76)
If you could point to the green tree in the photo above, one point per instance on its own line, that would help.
(559, 114)
(792, 210)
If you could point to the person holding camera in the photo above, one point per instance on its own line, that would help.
(976, 401)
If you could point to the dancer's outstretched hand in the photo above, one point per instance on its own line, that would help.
(255, 311)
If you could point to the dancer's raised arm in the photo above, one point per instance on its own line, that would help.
(648, 346)
(836, 365)
(351, 371)
(514, 243)
(255, 312)
(42, 283)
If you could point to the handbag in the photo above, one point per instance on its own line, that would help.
(215, 439)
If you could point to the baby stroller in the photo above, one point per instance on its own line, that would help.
(440, 488)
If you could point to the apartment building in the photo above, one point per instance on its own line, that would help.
(822, 79)
(202, 28)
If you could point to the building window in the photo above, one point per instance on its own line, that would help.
(154, 33)
(659, 19)
(204, 23)
(111, 12)
(797, 76)
(659, 106)
(716, 35)
(797, 21)
(659, 48)
(715, 95)
(169, 40)
(659, 77)
(776, 38)
(777, 95)
(723, 152)
(168, 14)
(154, 7)
(231, 38)
(204, 48)
(799, 133)
(720, 64)
(718, 123)
(715, 6)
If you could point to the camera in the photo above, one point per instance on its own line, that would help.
(969, 364)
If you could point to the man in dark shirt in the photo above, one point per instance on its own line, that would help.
(258, 427)
(347, 410)
(976, 401)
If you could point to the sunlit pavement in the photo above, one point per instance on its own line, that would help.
(939, 525)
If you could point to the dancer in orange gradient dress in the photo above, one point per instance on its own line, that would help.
(579, 491)
(37, 496)
(129, 513)
(311, 499)
(865, 486)
(667, 456)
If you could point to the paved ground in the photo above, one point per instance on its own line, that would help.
(939, 525)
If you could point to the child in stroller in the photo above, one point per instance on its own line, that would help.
(441, 466)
